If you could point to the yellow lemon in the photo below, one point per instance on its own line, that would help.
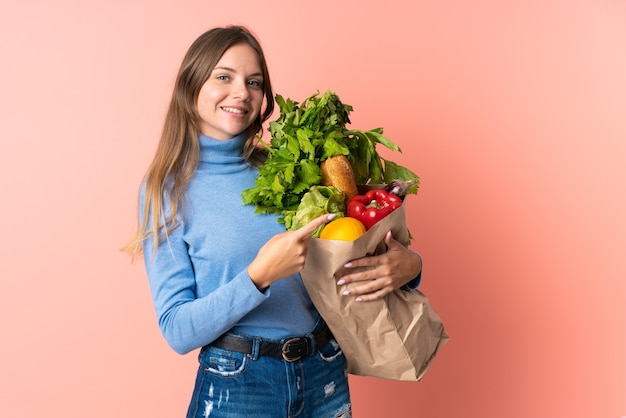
(344, 229)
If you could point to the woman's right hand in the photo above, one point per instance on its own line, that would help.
(284, 254)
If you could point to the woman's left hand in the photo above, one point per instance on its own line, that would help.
(382, 274)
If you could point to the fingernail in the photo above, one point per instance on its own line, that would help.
(346, 292)
(348, 265)
(341, 281)
(331, 216)
(359, 299)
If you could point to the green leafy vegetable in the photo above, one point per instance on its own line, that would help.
(318, 201)
(302, 137)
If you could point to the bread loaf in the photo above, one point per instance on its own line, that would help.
(337, 172)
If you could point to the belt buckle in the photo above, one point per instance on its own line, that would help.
(299, 346)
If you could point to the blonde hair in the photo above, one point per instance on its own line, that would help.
(177, 154)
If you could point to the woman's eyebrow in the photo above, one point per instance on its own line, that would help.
(224, 68)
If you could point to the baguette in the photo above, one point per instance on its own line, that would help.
(337, 172)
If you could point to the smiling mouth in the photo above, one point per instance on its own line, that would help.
(235, 110)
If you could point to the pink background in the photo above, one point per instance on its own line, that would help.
(512, 113)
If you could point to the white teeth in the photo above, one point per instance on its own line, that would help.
(233, 110)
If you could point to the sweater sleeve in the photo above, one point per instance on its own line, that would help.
(415, 282)
(188, 322)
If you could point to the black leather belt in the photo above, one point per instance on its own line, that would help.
(289, 349)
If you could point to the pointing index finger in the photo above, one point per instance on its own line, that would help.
(307, 229)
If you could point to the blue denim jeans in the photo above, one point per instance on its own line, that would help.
(232, 384)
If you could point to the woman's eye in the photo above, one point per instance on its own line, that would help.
(222, 77)
(254, 83)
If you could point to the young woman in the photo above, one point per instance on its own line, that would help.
(225, 279)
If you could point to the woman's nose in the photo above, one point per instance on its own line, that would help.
(240, 90)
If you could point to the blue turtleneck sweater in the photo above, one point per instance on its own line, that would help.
(198, 277)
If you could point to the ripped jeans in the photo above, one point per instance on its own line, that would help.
(235, 385)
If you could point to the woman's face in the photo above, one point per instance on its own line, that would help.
(231, 98)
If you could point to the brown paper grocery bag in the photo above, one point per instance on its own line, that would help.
(396, 337)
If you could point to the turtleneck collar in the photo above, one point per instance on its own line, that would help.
(211, 148)
(222, 155)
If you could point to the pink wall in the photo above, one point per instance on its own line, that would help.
(513, 115)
